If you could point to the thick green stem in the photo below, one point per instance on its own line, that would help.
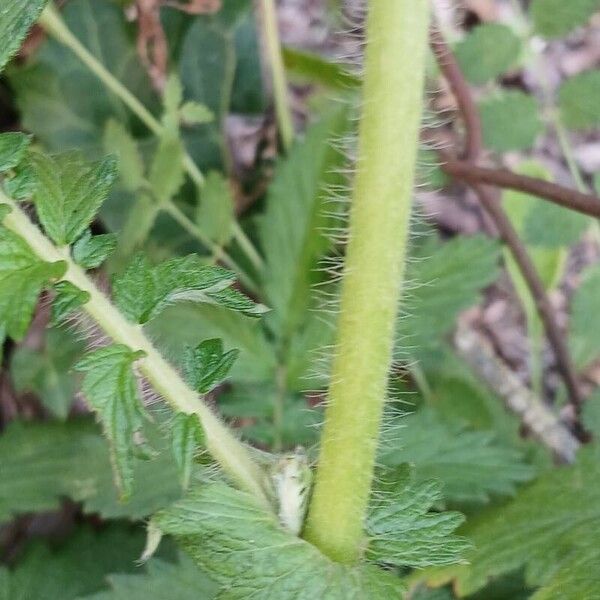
(56, 27)
(231, 454)
(388, 138)
(280, 89)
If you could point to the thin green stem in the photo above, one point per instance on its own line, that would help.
(52, 22)
(233, 456)
(395, 59)
(280, 88)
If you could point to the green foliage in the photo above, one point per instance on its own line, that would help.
(591, 415)
(187, 436)
(13, 147)
(46, 372)
(402, 531)
(160, 581)
(67, 299)
(470, 465)
(111, 389)
(22, 278)
(577, 100)
(584, 332)
(215, 213)
(74, 568)
(444, 279)
(117, 140)
(69, 193)
(292, 228)
(510, 121)
(91, 251)
(207, 365)
(244, 549)
(551, 529)
(555, 18)
(487, 51)
(15, 20)
(142, 291)
(42, 463)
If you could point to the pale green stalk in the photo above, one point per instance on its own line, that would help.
(388, 139)
(280, 89)
(52, 22)
(228, 451)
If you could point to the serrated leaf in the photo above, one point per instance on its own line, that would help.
(549, 529)
(68, 298)
(69, 193)
(207, 365)
(142, 292)
(44, 462)
(187, 436)
(47, 372)
(111, 388)
(195, 113)
(90, 251)
(215, 213)
(118, 141)
(73, 568)
(470, 465)
(245, 550)
(16, 17)
(584, 330)
(160, 581)
(299, 210)
(443, 280)
(510, 121)
(13, 147)
(173, 96)
(167, 173)
(21, 185)
(22, 278)
(556, 18)
(403, 532)
(577, 99)
(487, 51)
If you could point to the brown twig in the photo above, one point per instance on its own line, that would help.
(558, 194)
(473, 150)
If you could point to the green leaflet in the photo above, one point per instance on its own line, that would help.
(551, 528)
(510, 121)
(195, 113)
(215, 213)
(90, 251)
(207, 365)
(160, 581)
(117, 140)
(44, 462)
(111, 389)
(69, 193)
(555, 18)
(68, 299)
(187, 436)
(143, 291)
(22, 278)
(245, 550)
(48, 372)
(167, 173)
(488, 51)
(584, 332)
(403, 532)
(22, 182)
(75, 567)
(13, 147)
(470, 465)
(16, 17)
(299, 209)
(577, 99)
(443, 280)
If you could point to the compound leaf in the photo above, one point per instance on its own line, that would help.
(111, 389)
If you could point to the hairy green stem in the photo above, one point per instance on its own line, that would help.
(228, 451)
(52, 22)
(280, 89)
(388, 138)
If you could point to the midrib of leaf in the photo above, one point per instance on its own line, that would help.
(231, 454)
